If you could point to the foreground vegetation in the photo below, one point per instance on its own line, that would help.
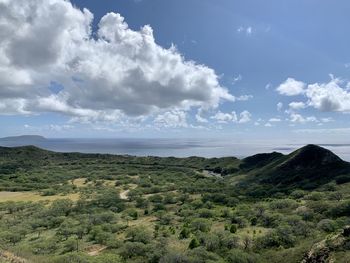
(58, 207)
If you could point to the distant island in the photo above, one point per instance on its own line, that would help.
(23, 138)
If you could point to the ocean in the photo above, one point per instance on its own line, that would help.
(169, 147)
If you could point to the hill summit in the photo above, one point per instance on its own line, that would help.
(311, 156)
(307, 167)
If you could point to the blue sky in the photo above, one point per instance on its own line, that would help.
(260, 70)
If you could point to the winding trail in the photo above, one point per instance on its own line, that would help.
(124, 195)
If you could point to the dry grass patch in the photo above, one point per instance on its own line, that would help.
(33, 197)
(80, 182)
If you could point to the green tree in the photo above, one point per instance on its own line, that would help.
(194, 243)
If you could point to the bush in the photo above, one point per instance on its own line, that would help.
(205, 213)
(139, 234)
(185, 233)
(194, 243)
(327, 225)
(233, 229)
(283, 204)
(342, 179)
(200, 224)
(238, 256)
(282, 236)
(71, 244)
(297, 194)
(343, 209)
(133, 249)
(315, 196)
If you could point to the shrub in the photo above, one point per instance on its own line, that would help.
(139, 234)
(239, 256)
(194, 243)
(233, 228)
(133, 249)
(200, 224)
(327, 225)
(185, 233)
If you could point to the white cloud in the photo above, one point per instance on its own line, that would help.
(268, 124)
(329, 96)
(171, 119)
(244, 97)
(225, 117)
(325, 120)
(247, 30)
(297, 105)
(279, 106)
(116, 73)
(291, 87)
(343, 131)
(49, 127)
(298, 118)
(245, 116)
(199, 117)
(9, 106)
(275, 120)
(236, 79)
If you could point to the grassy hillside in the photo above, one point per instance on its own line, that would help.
(306, 168)
(72, 207)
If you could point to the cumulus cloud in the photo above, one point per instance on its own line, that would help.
(333, 96)
(243, 117)
(279, 106)
(222, 117)
(297, 105)
(298, 118)
(171, 119)
(244, 97)
(291, 87)
(105, 75)
(329, 96)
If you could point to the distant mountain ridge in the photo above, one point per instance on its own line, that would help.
(23, 138)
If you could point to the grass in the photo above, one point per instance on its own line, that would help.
(252, 231)
(33, 197)
(79, 182)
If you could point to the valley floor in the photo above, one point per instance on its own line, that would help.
(98, 208)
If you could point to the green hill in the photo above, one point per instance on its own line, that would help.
(306, 168)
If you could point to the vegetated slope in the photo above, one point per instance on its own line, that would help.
(307, 168)
(30, 168)
(259, 160)
(171, 213)
(36, 155)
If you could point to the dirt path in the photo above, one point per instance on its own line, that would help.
(124, 195)
(10, 257)
(95, 250)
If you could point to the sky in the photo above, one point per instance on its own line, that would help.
(245, 70)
